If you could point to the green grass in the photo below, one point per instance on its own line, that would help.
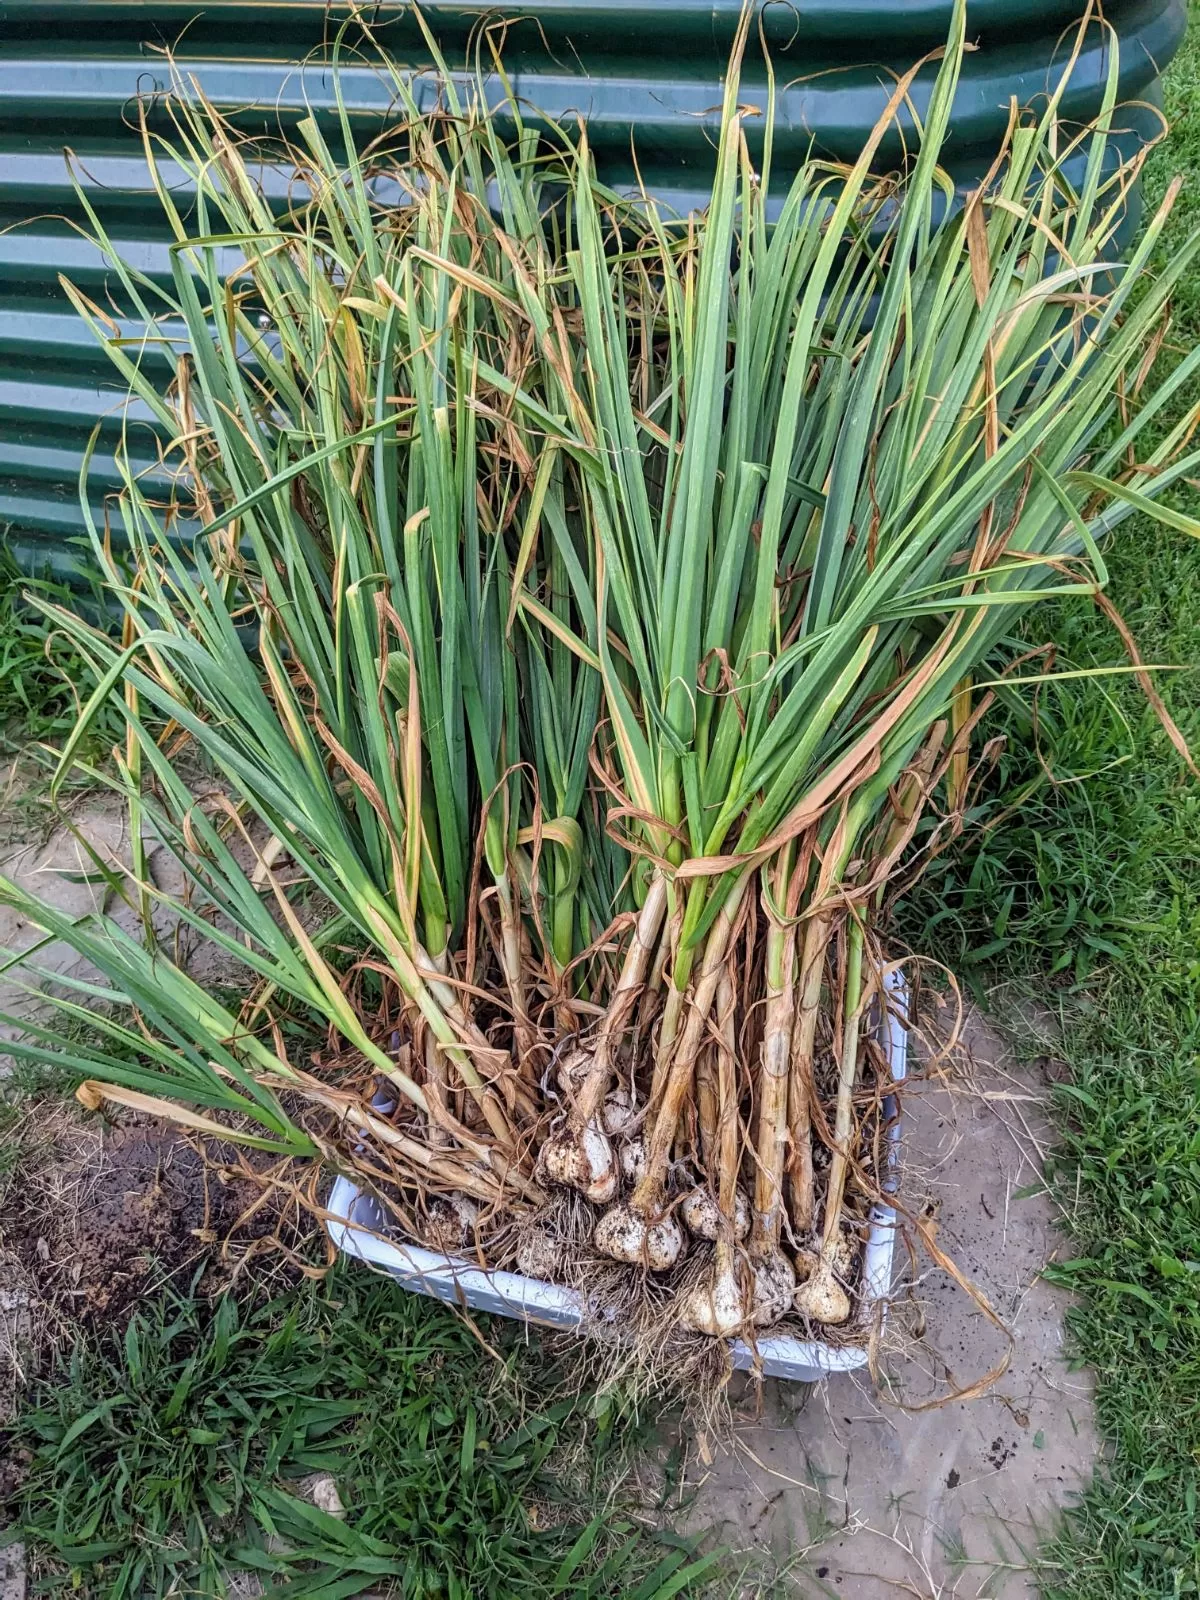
(40, 674)
(1089, 896)
(169, 1457)
(36, 696)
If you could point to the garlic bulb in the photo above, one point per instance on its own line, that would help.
(702, 1215)
(714, 1306)
(581, 1159)
(539, 1255)
(625, 1235)
(773, 1287)
(449, 1222)
(822, 1298)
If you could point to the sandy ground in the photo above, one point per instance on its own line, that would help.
(847, 1488)
(853, 1489)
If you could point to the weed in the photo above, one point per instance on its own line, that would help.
(164, 1460)
(43, 681)
(38, 699)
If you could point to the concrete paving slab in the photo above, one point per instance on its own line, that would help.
(12, 1572)
(59, 870)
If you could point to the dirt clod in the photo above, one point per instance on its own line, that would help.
(137, 1204)
(95, 1217)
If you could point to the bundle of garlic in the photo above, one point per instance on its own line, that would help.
(586, 624)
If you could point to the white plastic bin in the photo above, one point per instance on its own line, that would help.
(357, 1221)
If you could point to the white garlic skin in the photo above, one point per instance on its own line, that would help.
(842, 1263)
(773, 1288)
(572, 1067)
(806, 1261)
(822, 1300)
(633, 1161)
(627, 1236)
(714, 1306)
(702, 1215)
(845, 1257)
(581, 1160)
(618, 1114)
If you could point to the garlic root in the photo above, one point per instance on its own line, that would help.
(821, 1297)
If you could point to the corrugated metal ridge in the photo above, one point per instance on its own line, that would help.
(672, 111)
(71, 69)
(840, 25)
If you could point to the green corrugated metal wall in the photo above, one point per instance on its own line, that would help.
(70, 70)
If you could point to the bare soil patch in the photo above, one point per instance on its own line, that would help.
(96, 1217)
